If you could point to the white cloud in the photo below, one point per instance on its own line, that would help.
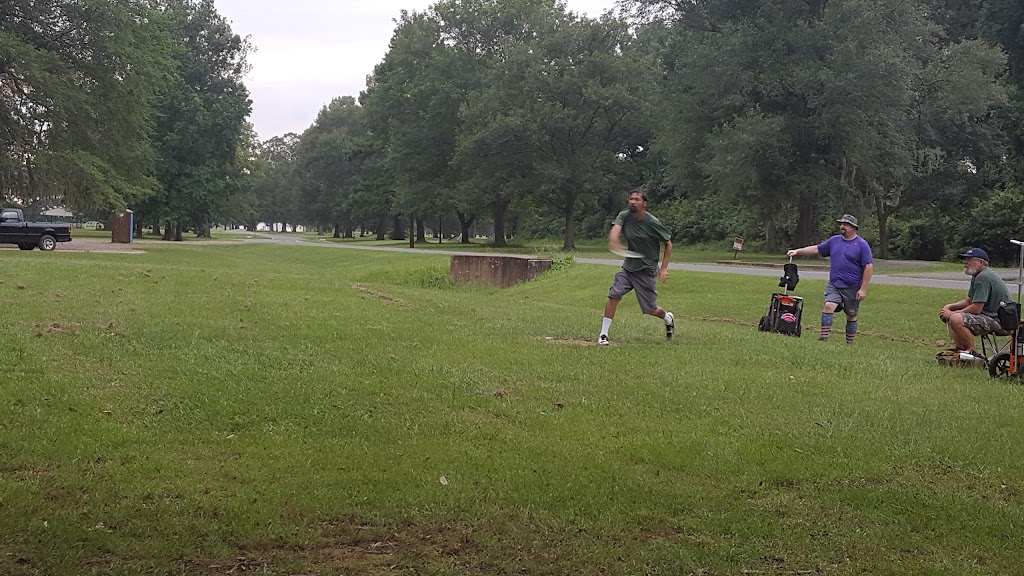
(309, 52)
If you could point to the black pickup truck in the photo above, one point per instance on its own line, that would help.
(28, 235)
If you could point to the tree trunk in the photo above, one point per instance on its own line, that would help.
(421, 230)
(203, 232)
(807, 231)
(399, 229)
(348, 231)
(771, 236)
(168, 232)
(380, 227)
(412, 231)
(570, 231)
(337, 230)
(177, 231)
(883, 230)
(464, 223)
(440, 234)
(500, 208)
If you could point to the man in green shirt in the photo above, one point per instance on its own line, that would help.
(644, 235)
(976, 315)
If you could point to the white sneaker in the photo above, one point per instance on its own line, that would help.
(602, 340)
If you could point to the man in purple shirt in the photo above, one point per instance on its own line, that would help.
(849, 274)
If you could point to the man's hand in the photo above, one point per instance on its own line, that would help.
(945, 313)
(861, 294)
(663, 274)
(792, 253)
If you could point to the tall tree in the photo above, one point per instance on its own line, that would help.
(202, 120)
(276, 192)
(905, 99)
(78, 80)
(412, 104)
(825, 105)
(492, 154)
(1002, 22)
(328, 163)
(585, 104)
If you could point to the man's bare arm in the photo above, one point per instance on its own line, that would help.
(663, 272)
(614, 243)
(811, 250)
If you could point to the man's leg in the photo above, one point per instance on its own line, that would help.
(959, 333)
(609, 308)
(851, 328)
(620, 286)
(668, 317)
(851, 305)
(827, 314)
(609, 313)
(832, 301)
(647, 296)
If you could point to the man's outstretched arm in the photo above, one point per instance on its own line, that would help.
(663, 271)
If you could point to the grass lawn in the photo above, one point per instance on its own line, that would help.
(269, 409)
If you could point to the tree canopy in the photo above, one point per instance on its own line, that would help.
(761, 118)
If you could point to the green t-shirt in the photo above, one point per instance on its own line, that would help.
(644, 236)
(989, 288)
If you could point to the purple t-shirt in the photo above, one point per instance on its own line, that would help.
(849, 257)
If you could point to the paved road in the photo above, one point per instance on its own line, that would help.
(950, 280)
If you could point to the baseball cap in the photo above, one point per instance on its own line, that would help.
(975, 253)
(848, 219)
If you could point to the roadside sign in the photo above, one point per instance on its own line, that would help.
(737, 245)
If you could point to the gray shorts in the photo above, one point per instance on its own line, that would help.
(646, 287)
(980, 324)
(845, 297)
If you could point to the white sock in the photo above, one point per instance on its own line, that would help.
(606, 323)
(668, 318)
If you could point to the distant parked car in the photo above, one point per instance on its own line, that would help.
(93, 225)
(28, 235)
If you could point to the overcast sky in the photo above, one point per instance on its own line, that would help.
(311, 51)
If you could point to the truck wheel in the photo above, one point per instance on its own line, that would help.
(47, 243)
(24, 246)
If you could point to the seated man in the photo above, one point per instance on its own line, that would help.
(976, 315)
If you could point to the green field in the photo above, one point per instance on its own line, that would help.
(266, 409)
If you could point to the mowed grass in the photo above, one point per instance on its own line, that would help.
(306, 410)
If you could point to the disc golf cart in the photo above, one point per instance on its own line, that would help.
(1008, 360)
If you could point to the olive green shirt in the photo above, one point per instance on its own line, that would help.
(989, 288)
(644, 236)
